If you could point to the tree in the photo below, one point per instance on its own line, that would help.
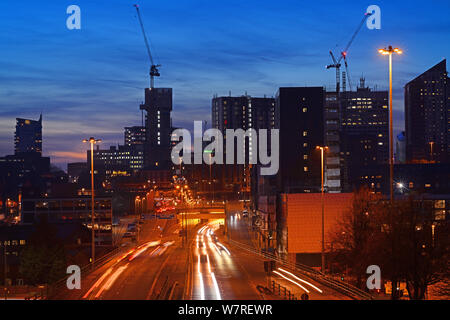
(425, 252)
(43, 258)
(402, 237)
(352, 235)
(410, 245)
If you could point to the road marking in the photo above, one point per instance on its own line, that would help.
(156, 278)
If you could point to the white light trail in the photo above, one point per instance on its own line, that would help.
(97, 283)
(154, 251)
(209, 265)
(304, 281)
(111, 280)
(298, 284)
(169, 243)
(220, 253)
(202, 288)
(201, 229)
(144, 247)
(162, 251)
(224, 248)
(216, 286)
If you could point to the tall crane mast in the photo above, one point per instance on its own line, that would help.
(337, 63)
(154, 72)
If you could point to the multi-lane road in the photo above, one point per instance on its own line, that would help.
(216, 274)
(208, 267)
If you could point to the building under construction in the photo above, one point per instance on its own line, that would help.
(158, 124)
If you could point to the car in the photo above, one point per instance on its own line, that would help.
(245, 213)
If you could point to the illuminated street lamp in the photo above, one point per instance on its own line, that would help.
(322, 150)
(389, 51)
(92, 141)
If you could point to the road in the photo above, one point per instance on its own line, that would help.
(217, 276)
(137, 272)
(208, 267)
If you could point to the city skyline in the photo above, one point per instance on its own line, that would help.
(245, 154)
(202, 56)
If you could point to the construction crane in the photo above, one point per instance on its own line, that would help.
(346, 74)
(154, 72)
(337, 63)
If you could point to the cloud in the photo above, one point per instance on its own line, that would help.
(90, 82)
(64, 156)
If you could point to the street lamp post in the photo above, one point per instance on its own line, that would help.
(5, 264)
(210, 173)
(431, 150)
(389, 51)
(322, 151)
(92, 141)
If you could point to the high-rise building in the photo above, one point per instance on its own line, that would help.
(244, 112)
(299, 115)
(134, 135)
(28, 136)
(364, 138)
(117, 161)
(157, 147)
(75, 169)
(427, 116)
(332, 141)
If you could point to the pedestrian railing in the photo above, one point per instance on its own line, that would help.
(282, 291)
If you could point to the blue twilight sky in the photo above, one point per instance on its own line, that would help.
(90, 82)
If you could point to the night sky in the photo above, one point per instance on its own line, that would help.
(90, 82)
